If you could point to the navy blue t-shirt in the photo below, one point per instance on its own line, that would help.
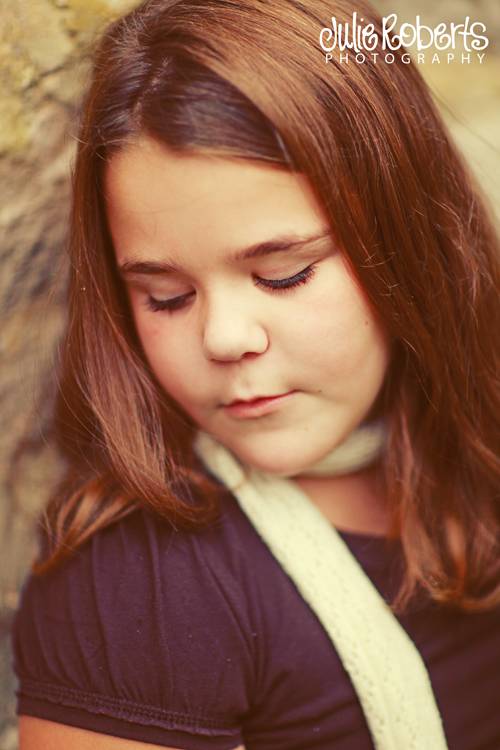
(200, 640)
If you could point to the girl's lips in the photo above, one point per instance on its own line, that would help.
(257, 407)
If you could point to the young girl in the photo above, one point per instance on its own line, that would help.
(277, 403)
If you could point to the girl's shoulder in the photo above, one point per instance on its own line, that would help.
(148, 632)
(142, 556)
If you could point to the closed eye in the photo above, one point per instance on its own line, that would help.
(275, 285)
(170, 305)
(302, 277)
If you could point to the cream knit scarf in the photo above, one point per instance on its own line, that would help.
(385, 668)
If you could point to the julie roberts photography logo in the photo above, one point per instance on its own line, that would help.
(356, 41)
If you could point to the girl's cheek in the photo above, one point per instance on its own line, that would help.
(148, 324)
(333, 316)
(152, 328)
(168, 350)
(341, 332)
(154, 339)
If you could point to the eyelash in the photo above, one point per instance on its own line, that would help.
(275, 285)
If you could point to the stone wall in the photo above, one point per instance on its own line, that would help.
(44, 53)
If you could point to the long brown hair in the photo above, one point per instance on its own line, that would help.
(247, 79)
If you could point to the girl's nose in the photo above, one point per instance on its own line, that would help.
(230, 331)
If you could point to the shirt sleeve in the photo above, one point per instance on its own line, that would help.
(138, 637)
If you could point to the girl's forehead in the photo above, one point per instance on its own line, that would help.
(148, 165)
(154, 194)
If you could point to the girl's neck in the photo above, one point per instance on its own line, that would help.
(352, 502)
(346, 485)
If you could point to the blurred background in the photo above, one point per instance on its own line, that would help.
(44, 56)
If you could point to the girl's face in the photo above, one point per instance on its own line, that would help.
(230, 305)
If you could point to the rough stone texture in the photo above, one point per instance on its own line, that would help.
(44, 49)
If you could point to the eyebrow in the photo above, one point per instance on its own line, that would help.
(286, 243)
